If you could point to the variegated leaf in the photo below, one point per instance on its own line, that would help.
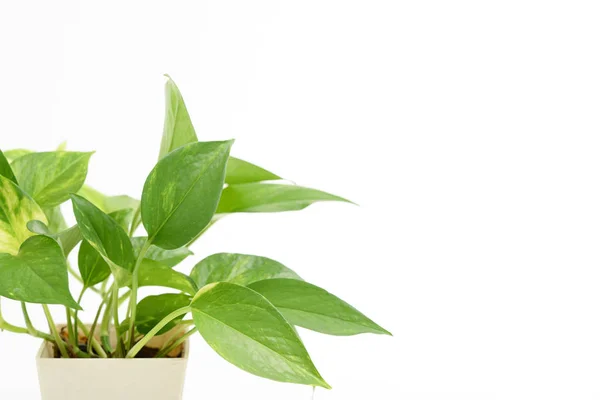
(5, 169)
(50, 177)
(178, 129)
(16, 209)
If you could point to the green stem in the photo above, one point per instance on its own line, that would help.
(30, 329)
(135, 221)
(75, 328)
(140, 345)
(166, 350)
(103, 287)
(93, 328)
(92, 339)
(115, 315)
(104, 333)
(5, 326)
(133, 299)
(76, 276)
(59, 342)
(124, 297)
(73, 337)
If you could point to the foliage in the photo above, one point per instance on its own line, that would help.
(244, 306)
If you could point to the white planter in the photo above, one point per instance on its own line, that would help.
(111, 379)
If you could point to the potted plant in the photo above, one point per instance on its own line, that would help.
(244, 306)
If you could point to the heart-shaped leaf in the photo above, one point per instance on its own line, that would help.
(37, 274)
(153, 273)
(241, 269)
(178, 129)
(182, 192)
(263, 197)
(5, 169)
(169, 258)
(50, 177)
(249, 332)
(16, 209)
(313, 308)
(106, 236)
(240, 171)
(152, 309)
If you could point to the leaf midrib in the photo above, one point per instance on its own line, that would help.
(324, 315)
(256, 341)
(20, 257)
(186, 194)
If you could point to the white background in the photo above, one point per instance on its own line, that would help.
(466, 130)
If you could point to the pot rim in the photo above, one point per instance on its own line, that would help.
(45, 351)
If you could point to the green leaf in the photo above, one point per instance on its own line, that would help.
(56, 220)
(182, 192)
(67, 239)
(121, 202)
(12, 155)
(108, 204)
(92, 267)
(249, 332)
(106, 236)
(261, 197)
(38, 227)
(178, 129)
(16, 209)
(169, 258)
(5, 169)
(123, 217)
(313, 308)
(93, 196)
(240, 171)
(153, 273)
(51, 176)
(37, 274)
(241, 269)
(152, 309)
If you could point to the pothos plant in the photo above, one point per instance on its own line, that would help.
(244, 306)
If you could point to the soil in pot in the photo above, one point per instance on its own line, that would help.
(147, 351)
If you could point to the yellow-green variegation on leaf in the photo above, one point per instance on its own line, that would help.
(50, 177)
(12, 155)
(5, 169)
(182, 192)
(16, 210)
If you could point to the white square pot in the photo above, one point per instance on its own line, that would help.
(111, 379)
